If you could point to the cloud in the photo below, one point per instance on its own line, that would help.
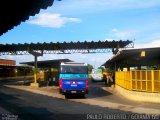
(52, 20)
(116, 34)
(114, 30)
(85, 6)
(154, 43)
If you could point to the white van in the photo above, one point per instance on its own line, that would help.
(97, 75)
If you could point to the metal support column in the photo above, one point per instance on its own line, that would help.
(35, 69)
(35, 54)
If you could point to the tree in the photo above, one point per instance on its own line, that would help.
(90, 67)
(103, 68)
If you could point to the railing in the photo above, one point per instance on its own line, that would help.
(19, 78)
(139, 80)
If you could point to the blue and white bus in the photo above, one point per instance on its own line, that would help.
(97, 75)
(73, 78)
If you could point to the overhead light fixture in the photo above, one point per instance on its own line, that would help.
(143, 54)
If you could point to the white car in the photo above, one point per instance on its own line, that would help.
(97, 75)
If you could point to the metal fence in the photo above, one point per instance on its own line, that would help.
(139, 80)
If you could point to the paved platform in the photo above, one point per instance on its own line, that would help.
(112, 100)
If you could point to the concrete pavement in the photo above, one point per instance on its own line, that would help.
(131, 106)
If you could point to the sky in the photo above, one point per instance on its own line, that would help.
(86, 20)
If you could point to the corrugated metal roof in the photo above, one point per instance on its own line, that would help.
(132, 57)
(13, 12)
(13, 48)
(47, 63)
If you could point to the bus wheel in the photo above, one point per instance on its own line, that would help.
(66, 96)
(83, 95)
(60, 91)
(92, 80)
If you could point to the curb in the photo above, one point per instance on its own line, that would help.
(139, 96)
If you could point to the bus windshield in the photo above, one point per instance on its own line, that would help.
(66, 69)
(96, 71)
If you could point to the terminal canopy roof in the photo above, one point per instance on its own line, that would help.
(65, 47)
(48, 63)
(13, 12)
(135, 57)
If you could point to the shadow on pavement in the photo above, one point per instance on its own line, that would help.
(95, 90)
(11, 104)
(74, 96)
(26, 110)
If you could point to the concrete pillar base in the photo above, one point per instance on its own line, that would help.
(34, 84)
(112, 86)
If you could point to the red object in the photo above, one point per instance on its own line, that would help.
(71, 82)
(60, 83)
(86, 84)
(76, 82)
